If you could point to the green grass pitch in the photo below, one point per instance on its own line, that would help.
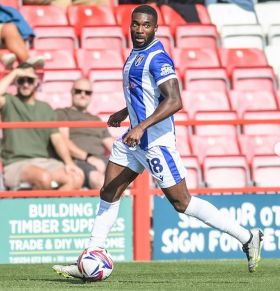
(204, 275)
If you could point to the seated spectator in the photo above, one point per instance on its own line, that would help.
(86, 145)
(65, 3)
(24, 152)
(13, 31)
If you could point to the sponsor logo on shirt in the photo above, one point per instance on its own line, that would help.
(139, 60)
(166, 69)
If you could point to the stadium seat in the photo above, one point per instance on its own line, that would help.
(98, 59)
(216, 130)
(230, 14)
(43, 15)
(59, 80)
(55, 38)
(243, 36)
(174, 19)
(2, 186)
(226, 172)
(103, 37)
(204, 101)
(181, 131)
(268, 14)
(254, 79)
(194, 175)
(106, 103)
(266, 170)
(194, 58)
(242, 101)
(80, 16)
(252, 145)
(11, 3)
(203, 146)
(274, 35)
(277, 94)
(55, 100)
(210, 79)
(56, 59)
(197, 36)
(262, 129)
(273, 58)
(236, 58)
(106, 80)
(123, 16)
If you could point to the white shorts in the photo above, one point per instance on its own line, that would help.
(163, 163)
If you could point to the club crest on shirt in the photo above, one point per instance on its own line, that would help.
(139, 60)
(166, 69)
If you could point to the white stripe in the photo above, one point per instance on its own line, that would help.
(166, 78)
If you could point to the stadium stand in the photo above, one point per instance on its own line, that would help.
(56, 100)
(274, 35)
(11, 3)
(194, 176)
(273, 57)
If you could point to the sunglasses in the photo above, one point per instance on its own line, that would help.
(23, 80)
(79, 91)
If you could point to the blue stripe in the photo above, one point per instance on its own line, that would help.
(171, 164)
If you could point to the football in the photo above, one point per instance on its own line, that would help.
(96, 264)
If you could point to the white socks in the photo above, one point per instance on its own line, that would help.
(104, 221)
(210, 215)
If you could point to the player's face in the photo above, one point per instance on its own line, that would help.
(81, 94)
(26, 86)
(142, 29)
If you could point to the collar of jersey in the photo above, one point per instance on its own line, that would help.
(146, 47)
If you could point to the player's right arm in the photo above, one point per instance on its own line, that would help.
(116, 118)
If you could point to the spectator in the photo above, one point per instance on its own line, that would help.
(25, 151)
(65, 3)
(13, 31)
(245, 4)
(86, 145)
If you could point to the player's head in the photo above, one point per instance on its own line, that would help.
(26, 85)
(81, 94)
(143, 25)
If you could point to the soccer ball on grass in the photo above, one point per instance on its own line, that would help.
(96, 264)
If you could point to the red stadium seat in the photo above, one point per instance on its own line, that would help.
(55, 100)
(266, 170)
(181, 131)
(254, 79)
(203, 146)
(43, 15)
(106, 80)
(11, 3)
(55, 38)
(204, 101)
(278, 97)
(194, 175)
(226, 172)
(98, 59)
(234, 58)
(194, 58)
(197, 36)
(210, 79)
(123, 16)
(252, 145)
(262, 129)
(174, 19)
(102, 37)
(56, 59)
(106, 102)
(216, 130)
(80, 16)
(59, 80)
(257, 100)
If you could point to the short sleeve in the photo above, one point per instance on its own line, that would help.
(61, 115)
(162, 68)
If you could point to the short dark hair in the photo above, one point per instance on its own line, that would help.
(25, 65)
(147, 10)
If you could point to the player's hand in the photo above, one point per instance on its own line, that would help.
(116, 118)
(72, 168)
(133, 137)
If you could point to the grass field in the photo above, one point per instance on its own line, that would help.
(201, 275)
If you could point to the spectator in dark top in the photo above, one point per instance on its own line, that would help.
(13, 31)
(86, 145)
(245, 4)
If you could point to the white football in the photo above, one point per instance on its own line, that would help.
(96, 264)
